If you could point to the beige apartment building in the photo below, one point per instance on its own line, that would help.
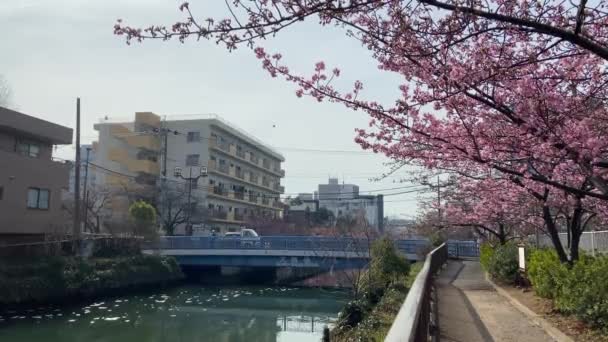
(31, 182)
(243, 180)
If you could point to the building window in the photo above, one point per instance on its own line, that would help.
(193, 137)
(28, 149)
(192, 160)
(38, 198)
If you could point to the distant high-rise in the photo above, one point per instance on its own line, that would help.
(345, 200)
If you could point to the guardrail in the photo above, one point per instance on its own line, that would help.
(280, 243)
(415, 320)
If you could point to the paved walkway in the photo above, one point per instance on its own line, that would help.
(470, 310)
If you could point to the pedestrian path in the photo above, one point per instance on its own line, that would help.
(470, 310)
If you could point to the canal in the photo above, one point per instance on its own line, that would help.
(188, 313)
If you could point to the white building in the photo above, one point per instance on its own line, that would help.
(345, 200)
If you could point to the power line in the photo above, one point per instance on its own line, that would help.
(420, 188)
(260, 146)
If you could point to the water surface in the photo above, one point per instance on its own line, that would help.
(187, 313)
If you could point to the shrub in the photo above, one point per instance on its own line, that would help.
(386, 263)
(545, 271)
(351, 315)
(486, 252)
(583, 291)
(580, 290)
(503, 265)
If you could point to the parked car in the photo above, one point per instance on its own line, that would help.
(248, 237)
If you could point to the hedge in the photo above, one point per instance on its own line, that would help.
(581, 290)
(54, 278)
(501, 262)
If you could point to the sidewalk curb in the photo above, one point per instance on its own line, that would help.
(534, 317)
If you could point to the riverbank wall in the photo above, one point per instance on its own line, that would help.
(61, 279)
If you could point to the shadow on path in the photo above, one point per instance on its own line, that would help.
(470, 310)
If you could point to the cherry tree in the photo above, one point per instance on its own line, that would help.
(516, 88)
(493, 208)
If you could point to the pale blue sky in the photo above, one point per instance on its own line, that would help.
(56, 50)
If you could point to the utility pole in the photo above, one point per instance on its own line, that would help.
(85, 192)
(178, 174)
(76, 227)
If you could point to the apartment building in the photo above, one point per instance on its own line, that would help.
(243, 179)
(31, 182)
(244, 174)
(126, 162)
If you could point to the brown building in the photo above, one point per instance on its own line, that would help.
(31, 183)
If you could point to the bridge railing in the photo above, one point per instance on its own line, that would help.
(314, 243)
(415, 318)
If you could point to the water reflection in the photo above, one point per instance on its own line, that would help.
(183, 314)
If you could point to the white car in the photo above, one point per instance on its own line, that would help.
(248, 237)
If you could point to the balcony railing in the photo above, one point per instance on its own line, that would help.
(239, 195)
(240, 174)
(240, 153)
(223, 168)
(219, 191)
(217, 214)
(239, 217)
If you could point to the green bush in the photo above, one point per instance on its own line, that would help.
(386, 264)
(545, 271)
(486, 252)
(580, 290)
(584, 291)
(503, 265)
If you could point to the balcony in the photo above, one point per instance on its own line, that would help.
(279, 188)
(220, 146)
(119, 155)
(239, 173)
(239, 217)
(217, 214)
(145, 166)
(239, 195)
(149, 142)
(220, 191)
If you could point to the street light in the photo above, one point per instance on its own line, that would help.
(177, 172)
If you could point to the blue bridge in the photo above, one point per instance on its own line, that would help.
(278, 251)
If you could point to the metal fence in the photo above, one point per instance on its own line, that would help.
(416, 317)
(592, 242)
(463, 249)
(282, 243)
